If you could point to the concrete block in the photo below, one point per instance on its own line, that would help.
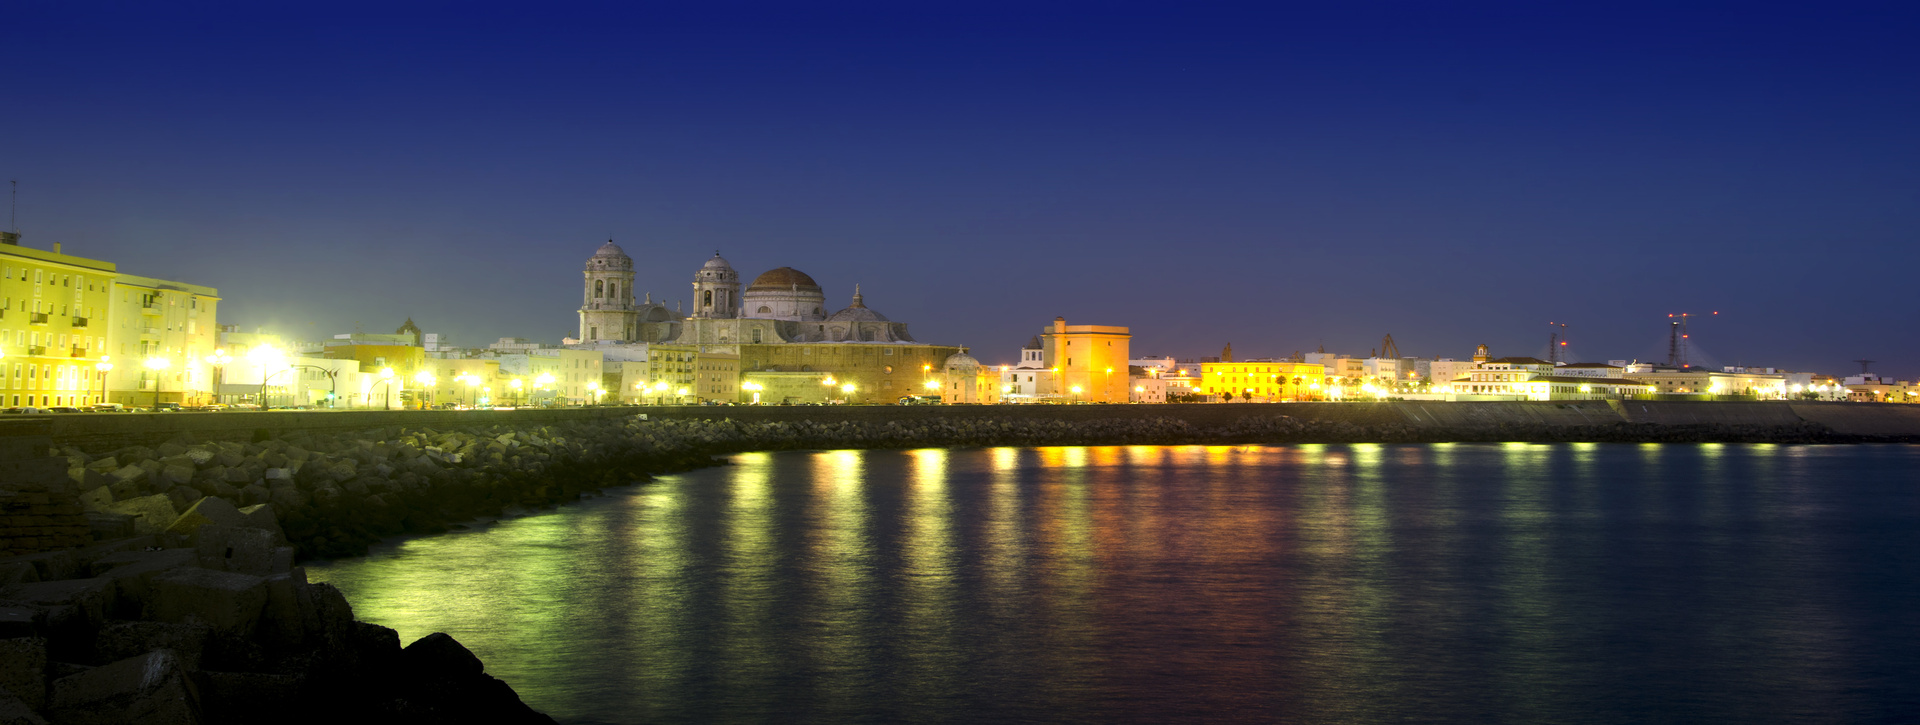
(176, 475)
(278, 474)
(17, 572)
(105, 464)
(20, 620)
(51, 565)
(121, 639)
(204, 512)
(15, 711)
(183, 496)
(98, 499)
(23, 669)
(105, 525)
(200, 455)
(91, 598)
(229, 603)
(238, 549)
(152, 514)
(238, 475)
(153, 688)
(287, 497)
(133, 572)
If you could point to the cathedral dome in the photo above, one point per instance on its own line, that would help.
(609, 256)
(784, 278)
(960, 360)
(717, 262)
(858, 311)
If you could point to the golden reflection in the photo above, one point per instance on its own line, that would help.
(930, 585)
(747, 581)
(839, 571)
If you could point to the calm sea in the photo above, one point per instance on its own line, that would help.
(1466, 583)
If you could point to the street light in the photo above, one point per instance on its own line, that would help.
(848, 389)
(157, 364)
(104, 367)
(593, 389)
(754, 388)
(219, 360)
(265, 355)
(430, 383)
(515, 384)
(386, 378)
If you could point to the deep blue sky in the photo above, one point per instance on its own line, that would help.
(1280, 178)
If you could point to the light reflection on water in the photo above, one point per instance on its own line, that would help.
(1318, 583)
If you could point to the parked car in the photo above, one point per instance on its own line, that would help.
(175, 407)
(63, 409)
(23, 410)
(109, 408)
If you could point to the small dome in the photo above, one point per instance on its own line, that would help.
(858, 311)
(717, 262)
(960, 360)
(609, 256)
(784, 278)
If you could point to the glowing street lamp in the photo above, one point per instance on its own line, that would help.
(754, 388)
(156, 364)
(219, 360)
(515, 384)
(848, 389)
(271, 361)
(104, 366)
(386, 378)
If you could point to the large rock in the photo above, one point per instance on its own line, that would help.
(178, 474)
(120, 639)
(23, 669)
(104, 464)
(229, 603)
(98, 499)
(206, 511)
(90, 598)
(152, 689)
(242, 550)
(152, 514)
(132, 573)
(15, 711)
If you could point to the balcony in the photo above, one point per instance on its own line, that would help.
(36, 350)
(150, 308)
(79, 351)
(79, 322)
(37, 318)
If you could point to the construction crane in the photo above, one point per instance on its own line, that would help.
(1677, 338)
(1387, 348)
(1556, 341)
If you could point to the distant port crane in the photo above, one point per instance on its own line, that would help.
(1677, 338)
(1556, 342)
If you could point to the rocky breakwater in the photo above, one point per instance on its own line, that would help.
(209, 621)
(338, 493)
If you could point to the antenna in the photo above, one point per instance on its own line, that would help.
(1864, 364)
(13, 208)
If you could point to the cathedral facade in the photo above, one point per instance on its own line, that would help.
(778, 324)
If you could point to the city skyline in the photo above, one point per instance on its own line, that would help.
(1202, 179)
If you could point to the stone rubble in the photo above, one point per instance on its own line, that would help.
(209, 621)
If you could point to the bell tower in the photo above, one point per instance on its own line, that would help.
(716, 290)
(607, 311)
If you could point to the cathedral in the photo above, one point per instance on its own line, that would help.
(777, 330)
(781, 306)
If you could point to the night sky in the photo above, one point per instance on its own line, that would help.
(1280, 178)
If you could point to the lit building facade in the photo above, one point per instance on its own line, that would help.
(1085, 363)
(161, 335)
(54, 333)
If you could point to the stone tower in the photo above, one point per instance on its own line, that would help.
(1480, 354)
(716, 290)
(607, 311)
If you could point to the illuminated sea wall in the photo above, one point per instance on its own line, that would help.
(337, 491)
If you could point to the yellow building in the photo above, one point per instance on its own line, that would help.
(1264, 380)
(161, 334)
(464, 381)
(1085, 363)
(880, 372)
(53, 327)
(716, 376)
(377, 354)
